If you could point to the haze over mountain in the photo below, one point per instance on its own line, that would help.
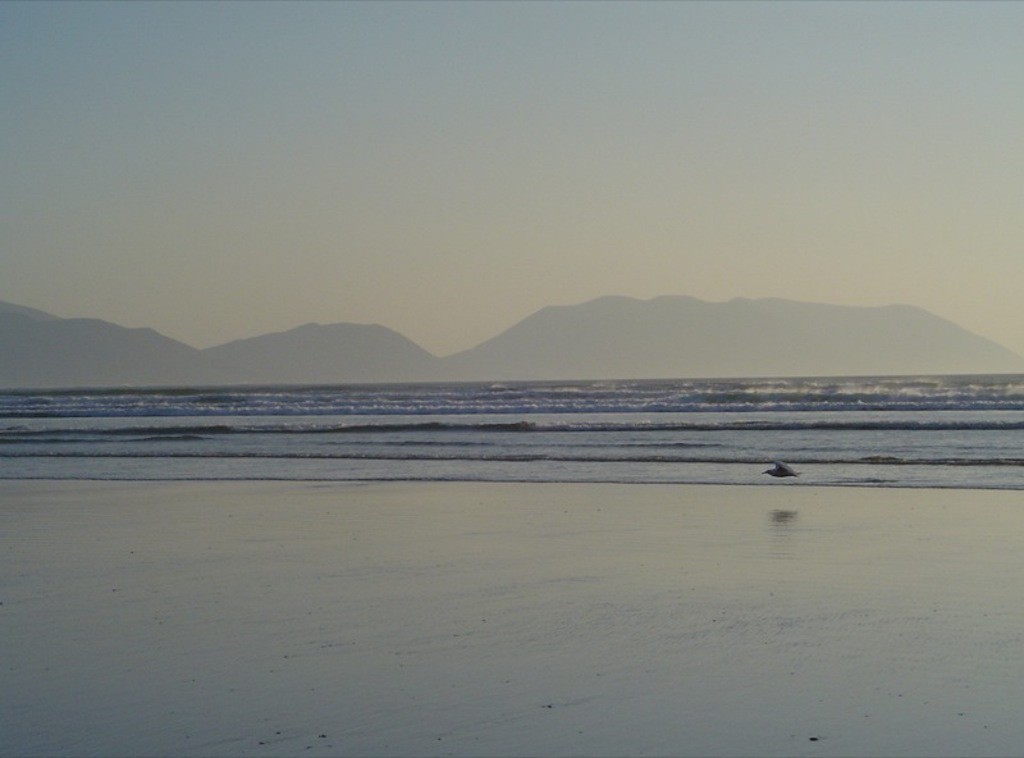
(620, 337)
(607, 338)
(41, 350)
(319, 354)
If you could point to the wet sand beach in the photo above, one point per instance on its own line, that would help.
(266, 619)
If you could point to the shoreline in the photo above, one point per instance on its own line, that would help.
(466, 618)
(853, 485)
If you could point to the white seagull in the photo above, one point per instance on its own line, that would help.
(780, 469)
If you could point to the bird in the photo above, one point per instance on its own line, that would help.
(780, 469)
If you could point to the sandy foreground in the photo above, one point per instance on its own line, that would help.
(514, 620)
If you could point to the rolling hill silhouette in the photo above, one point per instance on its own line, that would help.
(607, 338)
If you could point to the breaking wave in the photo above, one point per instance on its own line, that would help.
(888, 431)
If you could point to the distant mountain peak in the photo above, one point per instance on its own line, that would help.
(21, 310)
(680, 336)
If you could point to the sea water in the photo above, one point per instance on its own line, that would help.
(956, 431)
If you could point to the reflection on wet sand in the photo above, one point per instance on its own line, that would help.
(781, 525)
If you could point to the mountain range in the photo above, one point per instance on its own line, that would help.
(608, 338)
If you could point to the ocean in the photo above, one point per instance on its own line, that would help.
(929, 431)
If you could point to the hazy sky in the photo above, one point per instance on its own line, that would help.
(219, 170)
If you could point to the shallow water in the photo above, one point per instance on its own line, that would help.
(965, 432)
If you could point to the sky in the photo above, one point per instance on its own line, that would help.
(219, 170)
